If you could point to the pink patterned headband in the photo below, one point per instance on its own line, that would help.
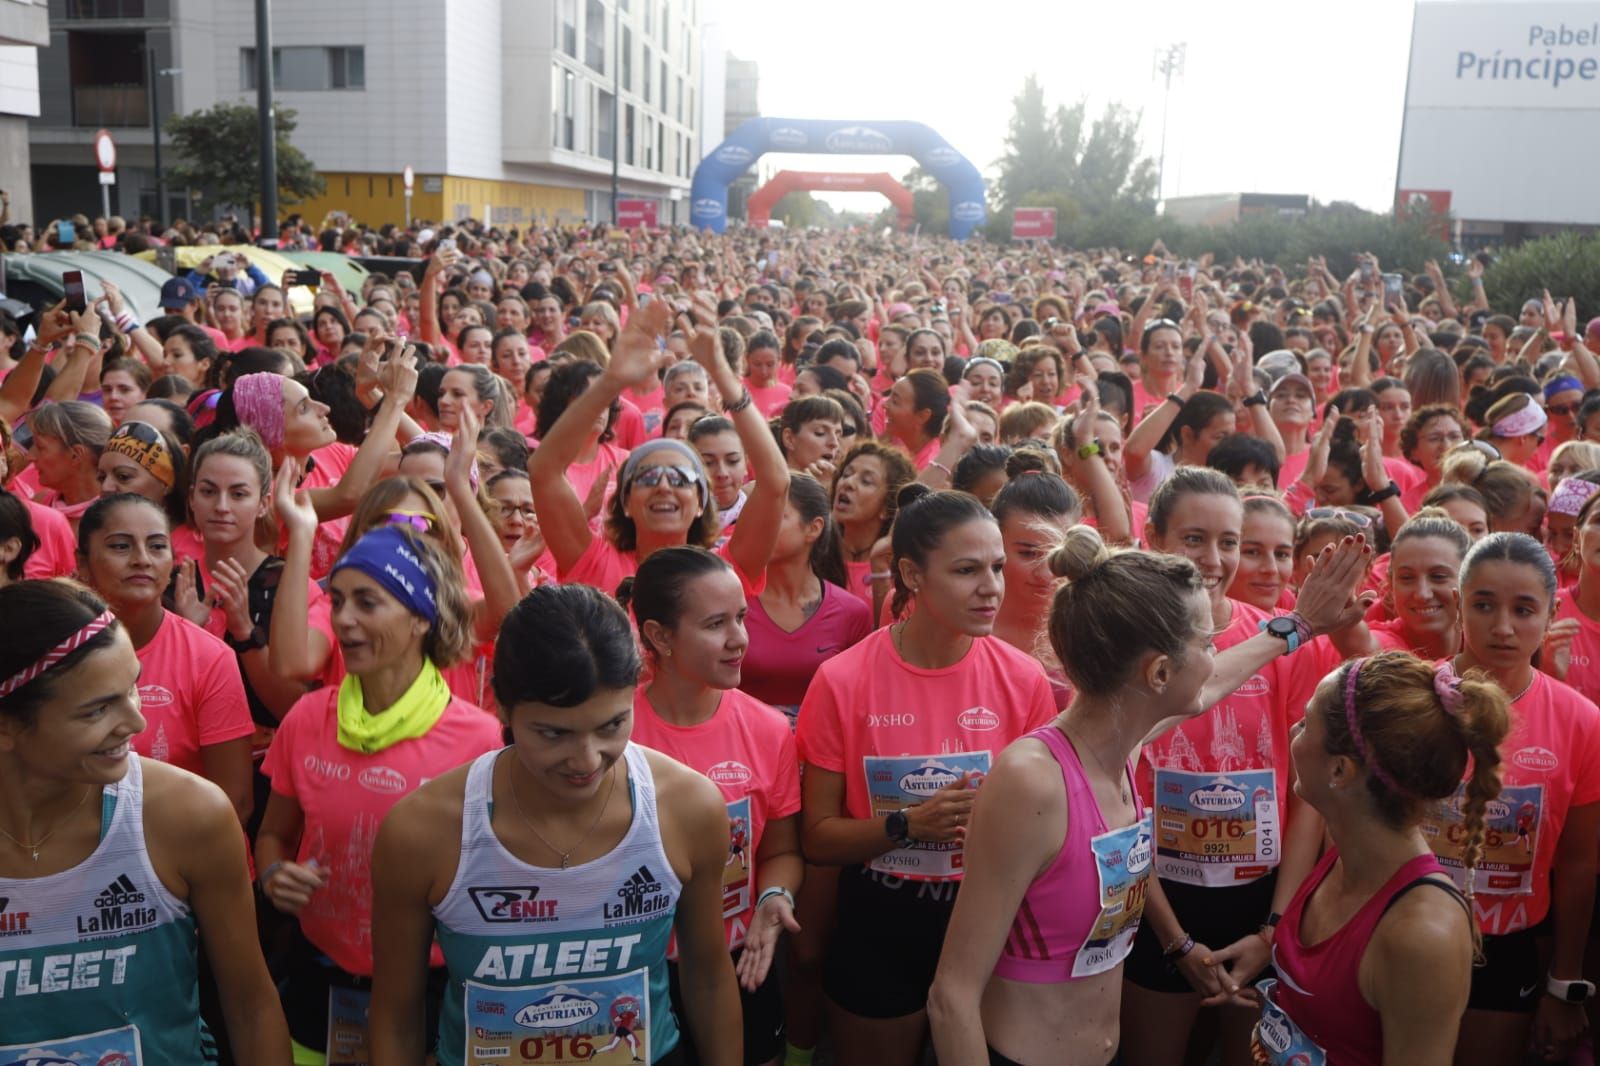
(1353, 722)
(258, 401)
(1571, 495)
(1530, 419)
(50, 658)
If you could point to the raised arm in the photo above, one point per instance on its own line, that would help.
(1090, 470)
(398, 378)
(295, 649)
(494, 569)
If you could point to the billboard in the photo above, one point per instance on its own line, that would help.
(632, 214)
(1501, 104)
(1033, 223)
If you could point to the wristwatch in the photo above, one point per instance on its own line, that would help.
(1569, 991)
(256, 639)
(898, 828)
(1259, 399)
(1388, 492)
(1283, 626)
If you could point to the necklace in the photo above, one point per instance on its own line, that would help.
(566, 856)
(34, 846)
(1121, 779)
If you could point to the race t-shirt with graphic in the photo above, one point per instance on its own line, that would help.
(98, 962)
(557, 966)
(1549, 764)
(344, 795)
(1219, 782)
(898, 733)
(747, 750)
(191, 695)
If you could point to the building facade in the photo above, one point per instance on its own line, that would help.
(507, 110)
(24, 28)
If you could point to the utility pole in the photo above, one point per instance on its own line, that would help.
(153, 95)
(1168, 62)
(616, 104)
(268, 124)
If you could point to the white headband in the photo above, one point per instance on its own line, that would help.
(1530, 419)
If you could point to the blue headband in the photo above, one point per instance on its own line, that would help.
(1564, 383)
(386, 556)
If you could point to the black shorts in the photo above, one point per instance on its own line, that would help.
(1510, 978)
(886, 942)
(763, 1017)
(1215, 917)
(304, 991)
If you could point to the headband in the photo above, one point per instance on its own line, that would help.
(258, 401)
(445, 441)
(1353, 722)
(984, 360)
(50, 659)
(630, 466)
(386, 556)
(1570, 496)
(1564, 383)
(142, 443)
(1530, 419)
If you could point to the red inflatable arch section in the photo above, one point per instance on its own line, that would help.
(764, 199)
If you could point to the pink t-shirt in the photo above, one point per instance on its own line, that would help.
(897, 732)
(860, 578)
(778, 665)
(1584, 673)
(650, 406)
(769, 399)
(748, 752)
(188, 544)
(57, 553)
(331, 463)
(628, 427)
(608, 459)
(191, 695)
(1550, 763)
(344, 796)
(1405, 476)
(604, 565)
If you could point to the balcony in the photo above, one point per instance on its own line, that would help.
(110, 106)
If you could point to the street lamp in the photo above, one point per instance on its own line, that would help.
(151, 90)
(1168, 62)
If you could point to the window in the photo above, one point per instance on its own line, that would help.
(649, 142)
(691, 118)
(627, 135)
(663, 85)
(105, 9)
(567, 26)
(563, 94)
(308, 69)
(666, 24)
(661, 148)
(556, 76)
(644, 70)
(627, 58)
(649, 17)
(594, 35)
(604, 140)
(679, 103)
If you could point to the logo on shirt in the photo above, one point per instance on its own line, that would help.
(981, 719)
(889, 721)
(640, 897)
(13, 923)
(563, 1007)
(326, 768)
(1216, 798)
(156, 696)
(927, 779)
(729, 772)
(382, 779)
(1539, 760)
(513, 904)
(120, 909)
(1256, 686)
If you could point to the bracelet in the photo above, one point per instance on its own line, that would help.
(1388, 492)
(1178, 948)
(126, 322)
(266, 875)
(945, 470)
(1302, 629)
(740, 404)
(882, 575)
(775, 890)
(1173, 397)
(88, 339)
(1088, 451)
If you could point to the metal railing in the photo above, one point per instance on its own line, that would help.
(110, 105)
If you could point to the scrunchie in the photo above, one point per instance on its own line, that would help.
(1447, 684)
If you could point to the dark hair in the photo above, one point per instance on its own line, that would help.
(134, 368)
(1511, 548)
(335, 386)
(921, 526)
(567, 383)
(763, 339)
(838, 348)
(1116, 605)
(94, 519)
(1411, 432)
(827, 376)
(897, 469)
(809, 497)
(796, 413)
(16, 521)
(1040, 493)
(1186, 481)
(201, 346)
(430, 381)
(1198, 412)
(709, 426)
(509, 447)
(1236, 451)
(931, 393)
(658, 586)
(35, 616)
(585, 644)
(981, 460)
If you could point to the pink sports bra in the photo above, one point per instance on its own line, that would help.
(1078, 918)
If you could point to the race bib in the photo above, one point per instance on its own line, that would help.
(109, 1047)
(1277, 1040)
(347, 1026)
(1122, 859)
(1510, 839)
(895, 784)
(738, 873)
(1216, 829)
(596, 1020)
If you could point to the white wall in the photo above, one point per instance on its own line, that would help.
(474, 87)
(19, 80)
(1512, 141)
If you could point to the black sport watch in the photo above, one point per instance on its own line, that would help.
(898, 828)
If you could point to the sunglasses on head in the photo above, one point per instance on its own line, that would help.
(421, 521)
(1353, 517)
(676, 476)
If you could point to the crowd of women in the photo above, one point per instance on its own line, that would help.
(658, 647)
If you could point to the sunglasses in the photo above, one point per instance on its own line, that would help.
(1355, 518)
(421, 521)
(1563, 410)
(676, 476)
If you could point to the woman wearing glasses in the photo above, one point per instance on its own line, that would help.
(663, 496)
(1428, 434)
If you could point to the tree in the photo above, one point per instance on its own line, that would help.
(219, 154)
(1031, 158)
(799, 210)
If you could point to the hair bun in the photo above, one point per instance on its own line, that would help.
(1079, 552)
(910, 493)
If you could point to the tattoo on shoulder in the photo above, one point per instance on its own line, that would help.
(809, 607)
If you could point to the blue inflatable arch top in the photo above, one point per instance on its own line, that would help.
(758, 136)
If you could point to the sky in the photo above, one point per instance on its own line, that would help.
(1277, 96)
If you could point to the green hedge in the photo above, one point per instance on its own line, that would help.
(1568, 265)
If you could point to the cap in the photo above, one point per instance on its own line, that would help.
(1296, 377)
(1278, 363)
(424, 236)
(177, 294)
(1106, 309)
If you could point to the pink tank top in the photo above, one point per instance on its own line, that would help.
(1079, 917)
(1316, 1005)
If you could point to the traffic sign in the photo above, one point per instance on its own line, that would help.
(105, 151)
(410, 179)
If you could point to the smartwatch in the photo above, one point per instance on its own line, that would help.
(1388, 492)
(1283, 626)
(256, 639)
(1569, 991)
(1257, 400)
(898, 828)
(1089, 451)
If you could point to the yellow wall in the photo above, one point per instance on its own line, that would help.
(378, 198)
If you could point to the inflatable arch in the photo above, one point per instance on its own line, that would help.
(758, 136)
(764, 199)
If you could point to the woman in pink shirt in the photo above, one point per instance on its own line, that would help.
(865, 499)
(1573, 646)
(690, 609)
(345, 755)
(761, 358)
(663, 496)
(193, 698)
(67, 439)
(916, 412)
